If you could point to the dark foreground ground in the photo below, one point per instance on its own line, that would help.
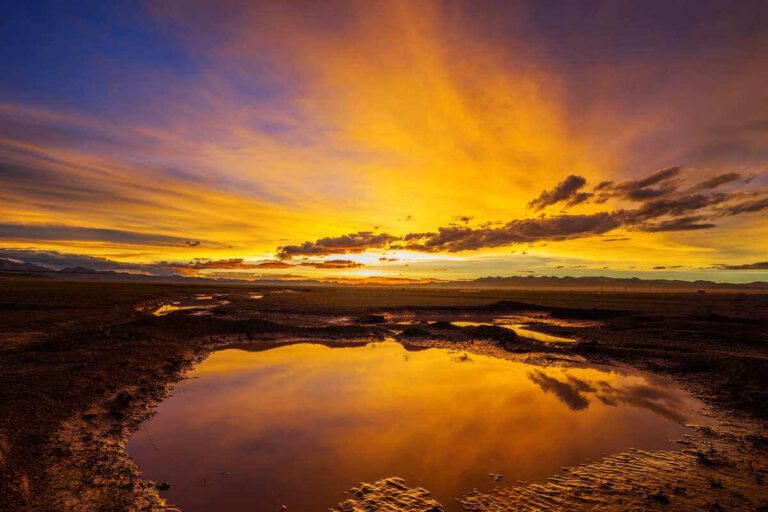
(81, 365)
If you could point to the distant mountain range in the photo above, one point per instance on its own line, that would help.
(14, 266)
(634, 283)
(491, 282)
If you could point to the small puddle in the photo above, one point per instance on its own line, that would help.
(298, 425)
(166, 309)
(202, 303)
(519, 329)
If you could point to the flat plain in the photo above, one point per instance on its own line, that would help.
(83, 365)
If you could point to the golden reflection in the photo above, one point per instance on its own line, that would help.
(302, 423)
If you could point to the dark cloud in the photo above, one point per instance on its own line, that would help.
(692, 223)
(575, 393)
(676, 206)
(388, 260)
(618, 239)
(561, 227)
(240, 264)
(760, 265)
(674, 213)
(272, 264)
(205, 263)
(656, 185)
(654, 179)
(566, 191)
(570, 392)
(752, 206)
(332, 264)
(345, 244)
(664, 206)
(717, 181)
(579, 198)
(34, 232)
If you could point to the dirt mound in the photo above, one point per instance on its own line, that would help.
(415, 332)
(443, 325)
(370, 319)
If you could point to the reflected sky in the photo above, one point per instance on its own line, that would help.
(201, 303)
(519, 329)
(300, 424)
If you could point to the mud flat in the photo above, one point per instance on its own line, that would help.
(83, 365)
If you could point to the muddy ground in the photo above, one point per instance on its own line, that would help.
(82, 364)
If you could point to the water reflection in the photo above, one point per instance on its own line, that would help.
(300, 424)
(519, 329)
(575, 393)
(201, 304)
(167, 309)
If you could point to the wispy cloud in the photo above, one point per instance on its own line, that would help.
(654, 186)
(332, 264)
(32, 232)
(718, 181)
(760, 265)
(691, 223)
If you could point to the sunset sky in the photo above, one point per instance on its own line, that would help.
(413, 139)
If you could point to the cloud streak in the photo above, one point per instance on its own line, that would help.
(332, 264)
(344, 244)
(656, 185)
(760, 265)
(32, 232)
(664, 206)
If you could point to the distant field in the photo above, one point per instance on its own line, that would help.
(18, 295)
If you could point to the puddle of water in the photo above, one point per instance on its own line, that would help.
(520, 330)
(301, 424)
(166, 309)
(206, 305)
(255, 296)
(539, 336)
